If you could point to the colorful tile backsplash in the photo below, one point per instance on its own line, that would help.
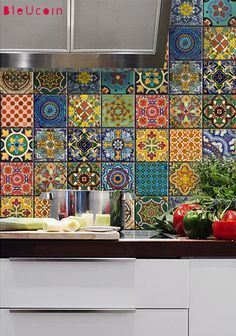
(124, 129)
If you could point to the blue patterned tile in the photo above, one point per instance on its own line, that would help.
(186, 13)
(84, 81)
(219, 13)
(118, 144)
(185, 43)
(151, 179)
(84, 144)
(219, 143)
(118, 176)
(50, 110)
(50, 144)
(118, 82)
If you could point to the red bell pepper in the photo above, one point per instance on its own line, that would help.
(178, 216)
(225, 229)
(229, 215)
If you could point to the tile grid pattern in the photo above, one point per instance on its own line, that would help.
(180, 182)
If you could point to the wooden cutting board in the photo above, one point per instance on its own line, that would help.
(112, 235)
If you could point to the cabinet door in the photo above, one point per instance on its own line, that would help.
(212, 297)
(34, 26)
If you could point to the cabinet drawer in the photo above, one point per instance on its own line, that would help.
(162, 283)
(73, 283)
(115, 323)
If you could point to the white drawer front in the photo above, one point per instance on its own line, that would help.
(102, 283)
(148, 323)
(162, 283)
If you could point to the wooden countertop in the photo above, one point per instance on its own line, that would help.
(123, 248)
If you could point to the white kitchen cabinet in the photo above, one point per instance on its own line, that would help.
(126, 323)
(212, 310)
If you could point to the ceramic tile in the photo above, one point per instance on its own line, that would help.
(16, 178)
(50, 110)
(185, 111)
(185, 43)
(16, 81)
(219, 111)
(219, 77)
(17, 206)
(152, 111)
(49, 176)
(219, 144)
(16, 111)
(185, 145)
(219, 13)
(50, 82)
(84, 81)
(185, 77)
(84, 144)
(41, 208)
(118, 176)
(84, 176)
(118, 144)
(151, 145)
(151, 81)
(183, 179)
(129, 215)
(186, 13)
(175, 201)
(16, 144)
(50, 144)
(84, 111)
(119, 81)
(151, 178)
(219, 43)
(118, 111)
(147, 209)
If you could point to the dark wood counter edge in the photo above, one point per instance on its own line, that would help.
(115, 249)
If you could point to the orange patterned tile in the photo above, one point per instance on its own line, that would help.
(17, 111)
(185, 145)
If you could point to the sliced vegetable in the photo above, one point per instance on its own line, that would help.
(225, 229)
(197, 224)
(178, 216)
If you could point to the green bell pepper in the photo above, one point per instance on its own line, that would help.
(197, 224)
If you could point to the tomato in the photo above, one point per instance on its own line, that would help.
(229, 215)
(178, 216)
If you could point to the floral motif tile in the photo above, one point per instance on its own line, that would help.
(118, 144)
(185, 77)
(119, 81)
(219, 111)
(84, 81)
(152, 111)
(182, 179)
(49, 176)
(118, 111)
(16, 111)
(16, 178)
(118, 176)
(147, 209)
(129, 215)
(17, 81)
(175, 201)
(50, 82)
(50, 110)
(185, 43)
(219, 13)
(185, 111)
(50, 144)
(151, 81)
(16, 144)
(41, 208)
(84, 144)
(219, 43)
(84, 176)
(151, 178)
(219, 77)
(84, 111)
(219, 143)
(151, 145)
(185, 145)
(17, 206)
(186, 13)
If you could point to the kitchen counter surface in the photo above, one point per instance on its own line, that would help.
(123, 248)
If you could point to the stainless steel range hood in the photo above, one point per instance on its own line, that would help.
(83, 33)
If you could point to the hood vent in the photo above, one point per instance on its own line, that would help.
(83, 33)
